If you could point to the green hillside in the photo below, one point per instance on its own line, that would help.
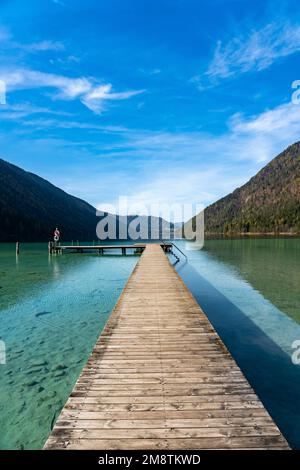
(31, 207)
(268, 203)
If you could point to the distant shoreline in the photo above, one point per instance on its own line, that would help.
(209, 235)
(252, 234)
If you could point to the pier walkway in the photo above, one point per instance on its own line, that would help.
(101, 249)
(160, 377)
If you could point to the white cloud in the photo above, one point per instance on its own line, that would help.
(91, 94)
(168, 166)
(43, 46)
(7, 42)
(21, 110)
(253, 140)
(256, 50)
(281, 118)
(154, 71)
(95, 98)
(164, 188)
(62, 124)
(69, 88)
(208, 166)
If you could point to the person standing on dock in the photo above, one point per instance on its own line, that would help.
(56, 236)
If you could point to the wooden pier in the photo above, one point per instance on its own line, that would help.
(160, 377)
(101, 249)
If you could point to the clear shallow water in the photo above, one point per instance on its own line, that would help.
(53, 309)
(249, 290)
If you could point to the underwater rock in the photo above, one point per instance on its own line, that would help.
(34, 370)
(32, 383)
(59, 367)
(22, 407)
(48, 398)
(40, 314)
(37, 362)
(60, 374)
(17, 352)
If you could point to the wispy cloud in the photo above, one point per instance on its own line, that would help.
(43, 46)
(7, 42)
(95, 99)
(268, 132)
(91, 94)
(43, 123)
(154, 71)
(208, 166)
(252, 139)
(169, 167)
(256, 50)
(22, 110)
(284, 118)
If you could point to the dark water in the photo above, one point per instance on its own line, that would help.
(52, 309)
(249, 290)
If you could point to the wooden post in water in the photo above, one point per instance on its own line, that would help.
(17, 248)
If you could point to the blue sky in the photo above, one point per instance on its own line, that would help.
(161, 101)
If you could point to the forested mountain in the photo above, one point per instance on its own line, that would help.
(31, 208)
(268, 203)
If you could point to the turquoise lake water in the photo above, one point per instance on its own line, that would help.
(52, 310)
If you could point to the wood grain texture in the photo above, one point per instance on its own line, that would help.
(160, 377)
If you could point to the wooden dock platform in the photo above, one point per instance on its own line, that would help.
(101, 249)
(160, 377)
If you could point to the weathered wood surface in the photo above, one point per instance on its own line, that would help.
(103, 248)
(160, 377)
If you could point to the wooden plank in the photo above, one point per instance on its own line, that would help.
(148, 423)
(148, 433)
(90, 412)
(160, 377)
(95, 405)
(175, 400)
(249, 442)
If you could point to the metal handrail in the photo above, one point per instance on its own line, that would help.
(163, 242)
(180, 251)
(173, 244)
